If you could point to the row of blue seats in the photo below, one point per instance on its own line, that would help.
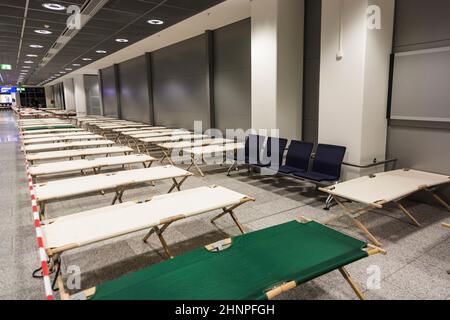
(326, 162)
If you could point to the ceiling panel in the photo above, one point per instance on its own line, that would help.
(116, 19)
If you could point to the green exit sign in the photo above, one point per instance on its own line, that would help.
(5, 67)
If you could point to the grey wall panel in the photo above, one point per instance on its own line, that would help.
(421, 24)
(232, 76)
(134, 93)
(420, 144)
(311, 80)
(179, 84)
(93, 98)
(109, 93)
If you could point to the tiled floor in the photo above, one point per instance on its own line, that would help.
(415, 267)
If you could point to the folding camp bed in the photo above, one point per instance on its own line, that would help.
(94, 164)
(170, 148)
(156, 215)
(150, 144)
(45, 127)
(377, 190)
(64, 138)
(200, 155)
(82, 153)
(61, 134)
(47, 131)
(121, 133)
(256, 266)
(117, 182)
(67, 145)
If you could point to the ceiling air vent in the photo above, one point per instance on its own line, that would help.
(88, 10)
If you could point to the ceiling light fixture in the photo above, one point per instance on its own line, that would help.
(76, 65)
(28, 62)
(32, 55)
(156, 22)
(86, 59)
(36, 46)
(122, 40)
(68, 69)
(101, 51)
(54, 6)
(26, 67)
(43, 32)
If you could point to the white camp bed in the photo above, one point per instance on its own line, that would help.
(379, 189)
(83, 165)
(82, 153)
(62, 134)
(137, 130)
(62, 139)
(67, 145)
(211, 153)
(116, 182)
(170, 148)
(86, 228)
(158, 133)
(47, 131)
(149, 143)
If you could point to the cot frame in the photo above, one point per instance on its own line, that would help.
(118, 191)
(56, 253)
(96, 169)
(82, 157)
(271, 294)
(354, 215)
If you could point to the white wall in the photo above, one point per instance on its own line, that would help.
(49, 96)
(353, 90)
(277, 65)
(80, 95)
(69, 94)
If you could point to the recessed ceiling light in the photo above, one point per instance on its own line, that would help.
(122, 40)
(76, 65)
(155, 21)
(54, 6)
(43, 31)
(68, 69)
(36, 46)
(62, 72)
(25, 71)
(28, 62)
(32, 55)
(86, 59)
(26, 67)
(101, 51)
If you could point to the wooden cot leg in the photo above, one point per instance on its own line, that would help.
(369, 235)
(441, 201)
(352, 283)
(177, 185)
(239, 225)
(358, 223)
(159, 233)
(194, 163)
(407, 213)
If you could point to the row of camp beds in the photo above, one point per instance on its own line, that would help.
(273, 246)
(195, 149)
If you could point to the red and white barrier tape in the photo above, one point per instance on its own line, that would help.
(37, 224)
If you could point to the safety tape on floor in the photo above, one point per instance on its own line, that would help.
(37, 224)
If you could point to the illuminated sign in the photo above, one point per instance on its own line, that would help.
(5, 67)
(8, 90)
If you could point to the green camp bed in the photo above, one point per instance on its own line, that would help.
(256, 266)
(47, 127)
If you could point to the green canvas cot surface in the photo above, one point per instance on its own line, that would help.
(64, 126)
(255, 263)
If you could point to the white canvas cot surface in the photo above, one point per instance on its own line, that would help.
(94, 164)
(92, 226)
(67, 145)
(62, 139)
(76, 153)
